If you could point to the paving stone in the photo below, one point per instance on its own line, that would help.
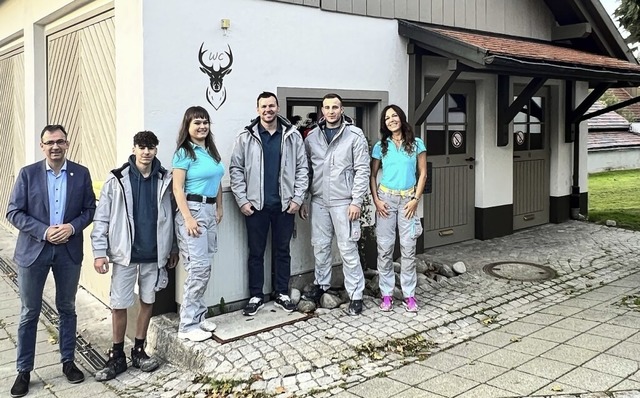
(521, 328)
(379, 388)
(626, 350)
(570, 355)
(555, 334)
(345, 394)
(518, 382)
(627, 385)
(542, 319)
(531, 345)
(629, 320)
(413, 374)
(448, 385)
(546, 368)
(486, 391)
(634, 339)
(561, 309)
(590, 380)
(592, 342)
(595, 315)
(612, 365)
(505, 358)
(444, 362)
(612, 331)
(479, 371)
(471, 350)
(581, 303)
(578, 325)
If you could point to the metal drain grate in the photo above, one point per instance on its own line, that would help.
(83, 347)
(519, 271)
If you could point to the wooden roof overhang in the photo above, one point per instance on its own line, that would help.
(508, 56)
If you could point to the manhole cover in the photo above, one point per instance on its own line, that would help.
(519, 271)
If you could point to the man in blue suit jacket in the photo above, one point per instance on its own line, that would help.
(51, 203)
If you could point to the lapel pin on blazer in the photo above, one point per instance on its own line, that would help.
(71, 174)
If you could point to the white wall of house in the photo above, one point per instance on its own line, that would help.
(582, 90)
(274, 45)
(494, 164)
(614, 159)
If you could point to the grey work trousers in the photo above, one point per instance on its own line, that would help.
(409, 229)
(196, 253)
(325, 221)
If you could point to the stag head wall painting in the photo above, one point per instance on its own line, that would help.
(216, 65)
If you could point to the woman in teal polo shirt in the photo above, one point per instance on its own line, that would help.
(197, 171)
(396, 196)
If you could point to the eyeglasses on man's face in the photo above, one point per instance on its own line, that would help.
(60, 142)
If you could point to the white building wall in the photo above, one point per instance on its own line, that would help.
(582, 90)
(494, 164)
(614, 159)
(274, 45)
(560, 166)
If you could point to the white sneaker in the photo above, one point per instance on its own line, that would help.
(194, 335)
(208, 325)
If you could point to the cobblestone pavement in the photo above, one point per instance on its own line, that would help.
(475, 336)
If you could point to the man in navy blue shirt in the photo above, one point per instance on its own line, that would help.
(268, 171)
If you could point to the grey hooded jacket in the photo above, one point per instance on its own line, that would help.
(113, 226)
(340, 169)
(246, 167)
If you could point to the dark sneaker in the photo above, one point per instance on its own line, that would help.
(21, 385)
(74, 375)
(355, 307)
(253, 306)
(116, 364)
(315, 294)
(283, 301)
(142, 361)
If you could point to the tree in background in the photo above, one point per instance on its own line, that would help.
(628, 14)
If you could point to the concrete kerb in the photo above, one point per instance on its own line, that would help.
(502, 306)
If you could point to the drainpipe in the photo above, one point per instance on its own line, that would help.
(575, 187)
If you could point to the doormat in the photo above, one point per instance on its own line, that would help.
(235, 326)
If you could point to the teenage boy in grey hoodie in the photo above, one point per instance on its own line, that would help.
(133, 229)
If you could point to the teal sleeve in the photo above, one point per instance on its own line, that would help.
(181, 160)
(420, 146)
(376, 152)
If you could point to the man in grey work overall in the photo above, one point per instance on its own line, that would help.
(338, 156)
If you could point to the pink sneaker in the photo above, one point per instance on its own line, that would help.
(410, 304)
(386, 304)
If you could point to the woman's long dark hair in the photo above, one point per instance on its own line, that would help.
(407, 132)
(184, 140)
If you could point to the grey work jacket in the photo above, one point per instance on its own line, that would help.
(113, 226)
(246, 167)
(340, 169)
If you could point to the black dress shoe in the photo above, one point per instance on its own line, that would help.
(21, 385)
(74, 375)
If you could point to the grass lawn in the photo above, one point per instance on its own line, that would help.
(615, 195)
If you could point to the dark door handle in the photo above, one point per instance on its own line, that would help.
(471, 159)
(516, 157)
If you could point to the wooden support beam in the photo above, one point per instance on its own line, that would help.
(415, 82)
(435, 94)
(591, 99)
(506, 111)
(569, 106)
(611, 108)
(567, 32)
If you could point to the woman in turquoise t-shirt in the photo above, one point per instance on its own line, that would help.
(396, 196)
(197, 171)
